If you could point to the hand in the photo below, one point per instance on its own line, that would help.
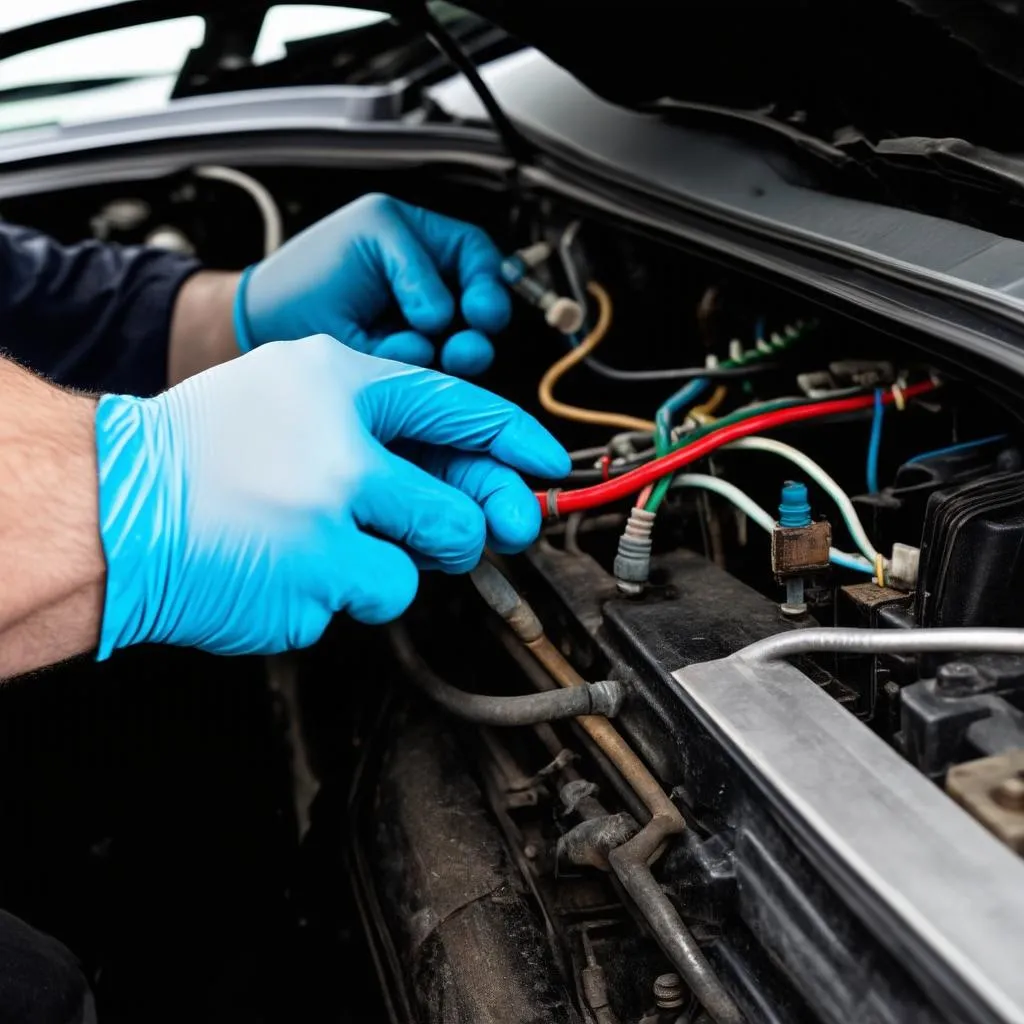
(341, 275)
(242, 508)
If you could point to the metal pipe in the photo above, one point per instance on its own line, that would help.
(963, 640)
(604, 698)
(496, 590)
(631, 861)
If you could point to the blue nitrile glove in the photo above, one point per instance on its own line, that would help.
(341, 275)
(243, 507)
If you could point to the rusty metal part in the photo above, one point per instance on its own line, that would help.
(590, 842)
(594, 983)
(631, 861)
(992, 791)
(468, 944)
(799, 550)
(870, 595)
(669, 993)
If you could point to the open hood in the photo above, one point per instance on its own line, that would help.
(887, 68)
(933, 69)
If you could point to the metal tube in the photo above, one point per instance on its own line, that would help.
(631, 861)
(964, 640)
(672, 934)
(604, 697)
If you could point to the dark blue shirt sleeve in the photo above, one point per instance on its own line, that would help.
(92, 315)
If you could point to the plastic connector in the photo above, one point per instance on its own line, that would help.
(903, 567)
(563, 314)
(536, 254)
(794, 508)
(632, 567)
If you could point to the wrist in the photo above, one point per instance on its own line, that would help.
(202, 327)
(239, 316)
(137, 502)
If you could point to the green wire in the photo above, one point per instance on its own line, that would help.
(662, 438)
(662, 486)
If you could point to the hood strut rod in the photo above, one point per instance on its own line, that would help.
(515, 145)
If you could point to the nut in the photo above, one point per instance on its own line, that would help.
(668, 991)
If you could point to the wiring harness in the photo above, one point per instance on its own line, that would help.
(645, 459)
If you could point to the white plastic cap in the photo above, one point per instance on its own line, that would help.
(565, 315)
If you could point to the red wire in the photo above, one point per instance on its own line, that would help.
(563, 502)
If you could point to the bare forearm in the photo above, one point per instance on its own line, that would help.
(51, 557)
(202, 332)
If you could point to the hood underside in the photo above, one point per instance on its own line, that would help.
(931, 68)
(886, 68)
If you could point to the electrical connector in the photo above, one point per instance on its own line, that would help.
(563, 314)
(903, 567)
(632, 567)
(800, 546)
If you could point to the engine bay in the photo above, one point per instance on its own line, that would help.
(575, 788)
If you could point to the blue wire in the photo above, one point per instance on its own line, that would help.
(682, 399)
(851, 562)
(964, 446)
(875, 444)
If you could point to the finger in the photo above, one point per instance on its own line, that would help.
(413, 275)
(344, 331)
(304, 628)
(467, 251)
(423, 405)
(466, 354)
(382, 580)
(405, 347)
(426, 515)
(510, 509)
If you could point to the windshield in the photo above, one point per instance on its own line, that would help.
(133, 69)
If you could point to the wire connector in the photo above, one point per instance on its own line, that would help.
(565, 315)
(632, 566)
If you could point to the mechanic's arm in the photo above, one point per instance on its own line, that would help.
(240, 510)
(51, 557)
(89, 315)
(132, 319)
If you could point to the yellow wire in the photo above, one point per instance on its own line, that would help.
(556, 372)
(705, 413)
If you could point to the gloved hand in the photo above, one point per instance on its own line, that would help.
(242, 508)
(339, 276)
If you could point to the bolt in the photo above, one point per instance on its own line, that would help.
(891, 690)
(668, 991)
(1010, 793)
(530, 851)
(956, 678)
(794, 604)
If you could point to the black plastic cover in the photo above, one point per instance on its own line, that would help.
(972, 555)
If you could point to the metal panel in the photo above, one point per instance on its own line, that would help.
(944, 896)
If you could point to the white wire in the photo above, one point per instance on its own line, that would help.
(730, 492)
(273, 227)
(820, 477)
(758, 515)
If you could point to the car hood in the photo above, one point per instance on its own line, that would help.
(933, 69)
(887, 68)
